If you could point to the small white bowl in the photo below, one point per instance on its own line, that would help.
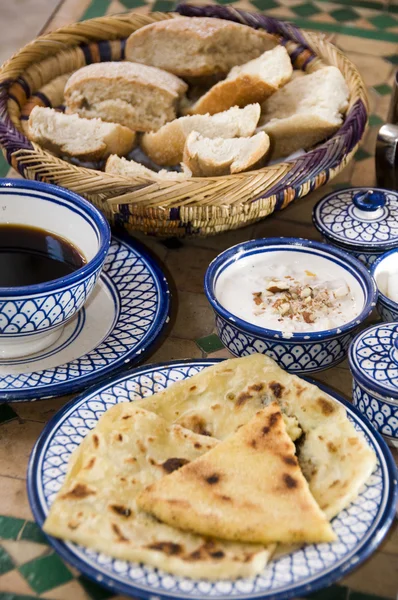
(381, 269)
(299, 352)
(32, 317)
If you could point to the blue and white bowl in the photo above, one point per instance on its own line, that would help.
(373, 359)
(361, 221)
(32, 317)
(381, 269)
(300, 352)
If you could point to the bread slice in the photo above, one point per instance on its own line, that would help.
(196, 47)
(207, 157)
(88, 139)
(134, 170)
(166, 146)
(248, 488)
(140, 97)
(252, 82)
(305, 111)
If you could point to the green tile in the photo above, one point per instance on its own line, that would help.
(375, 120)
(33, 533)
(163, 5)
(95, 591)
(210, 343)
(393, 58)
(333, 592)
(369, 34)
(383, 21)
(45, 573)
(383, 89)
(7, 413)
(265, 4)
(4, 166)
(10, 527)
(97, 8)
(10, 596)
(6, 563)
(361, 154)
(305, 10)
(345, 14)
(130, 4)
(361, 596)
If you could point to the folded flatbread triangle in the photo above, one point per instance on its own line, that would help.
(96, 507)
(248, 488)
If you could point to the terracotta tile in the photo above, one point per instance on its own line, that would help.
(375, 576)
(153, 245)
(390, 544)
(281, 226)
(222, 241)
(224, 353)
(14, 499)
(337, 379)
(17, 440)
(364, 173)
(194, 317)
(14, 582)
(372, 47)
(70, 11)
(41, 410)
(69, 590)
(373, 69)
(22, 552)
(173, 349)
(187, 266)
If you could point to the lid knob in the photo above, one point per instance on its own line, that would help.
(370, 200)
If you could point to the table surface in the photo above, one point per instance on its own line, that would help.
(367, 31)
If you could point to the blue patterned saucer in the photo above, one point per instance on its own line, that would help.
(361, 221)
(360, 528)
(122, 318)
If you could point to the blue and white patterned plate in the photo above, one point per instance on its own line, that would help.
(360, 528)
(123, 317)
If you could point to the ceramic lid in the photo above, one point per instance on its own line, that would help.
(365, 218)
(373, 359)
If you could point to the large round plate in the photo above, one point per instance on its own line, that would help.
(123, 317)
(360, 528)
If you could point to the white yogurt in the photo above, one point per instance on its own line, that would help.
(290, 292)
(386, 276)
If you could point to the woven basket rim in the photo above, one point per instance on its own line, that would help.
(13, 149)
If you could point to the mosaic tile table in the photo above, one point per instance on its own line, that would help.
(367, 31)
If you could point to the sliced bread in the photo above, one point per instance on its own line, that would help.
(305, 111)
(219, 156)
(87, 139)
(253, 82)
(140, 97)
(166, 146)
(196, 47)
(134, 170)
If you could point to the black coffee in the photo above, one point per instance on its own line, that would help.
(29, 255)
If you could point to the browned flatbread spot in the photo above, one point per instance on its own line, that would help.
(95, 440)
(171, 464)
(213, 479)
(289, 481)
(242, 398)
(90, 463)
(79, 492)
(331, 447)
(276, 388)
(123, 511)
(326, 406)
(168, 548)
(290, 460)
(127, 417)
(192, 388)
(117, 531)
(256, 387)
(196, 424)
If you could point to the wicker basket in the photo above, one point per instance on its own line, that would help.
(198, 206)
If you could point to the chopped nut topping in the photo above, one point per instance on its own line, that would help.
(257, 298)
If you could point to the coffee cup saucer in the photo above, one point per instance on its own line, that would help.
(121, 320)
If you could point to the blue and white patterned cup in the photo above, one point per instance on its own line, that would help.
(361, 221)
(32, 317)
(373, 358)
(384, 266)
(297, 352)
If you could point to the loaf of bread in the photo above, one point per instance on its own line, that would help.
(133, 170)
(86, 139)
(305, 111)
(140, 97)
(219, 156)
(166, 146)
(253, 82)
(196, 47)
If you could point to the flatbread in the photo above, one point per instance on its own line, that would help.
(248, 488)
(334, 457)
(129, 449)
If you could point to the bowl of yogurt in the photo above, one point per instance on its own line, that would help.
(385, 273)
(301, 302)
